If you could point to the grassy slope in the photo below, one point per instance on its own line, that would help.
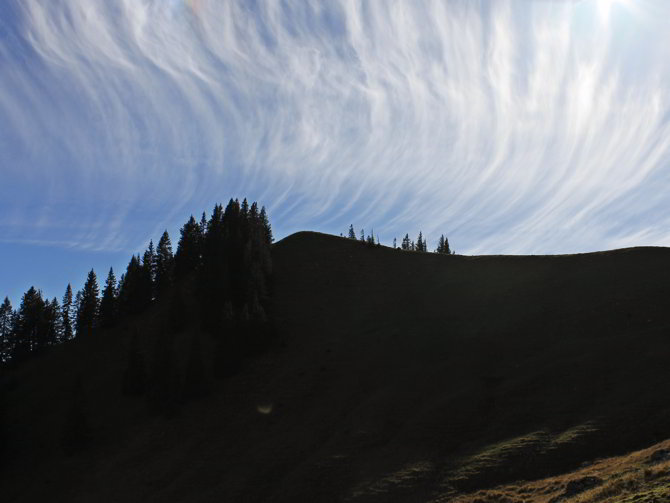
(402, 377)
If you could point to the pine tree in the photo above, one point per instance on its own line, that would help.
(109, 308)
(406, 243)
(352, 232)
(133, 297)
(149, 273)
(394, 244)
(420, 245)
(28, 324)
(53, 322)
(362, 238)
(267, 228)
(6, 342)
(87, 314)
(66, 313)
(164, 264)
(187, 258)
(443, 245)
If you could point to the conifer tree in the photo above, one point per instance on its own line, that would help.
(164, 264)
(109, 309)
(267, 228)
(420, 244)
(187, 258)
(362, 238)
(149, 273)
(394, 244)
(53, 322)
(66, 314)
(28, 324)
(406, 245)
(87, 314)
(352, 233)
(443, 245)
(6, 342)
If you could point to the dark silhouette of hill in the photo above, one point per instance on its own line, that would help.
(395, 376)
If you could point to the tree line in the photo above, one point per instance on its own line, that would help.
(228, 254)
(406, 244)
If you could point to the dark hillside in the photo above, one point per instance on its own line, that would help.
(398, 376)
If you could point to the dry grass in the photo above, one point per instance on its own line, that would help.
(625, 479)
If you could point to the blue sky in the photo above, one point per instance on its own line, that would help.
(511, 126)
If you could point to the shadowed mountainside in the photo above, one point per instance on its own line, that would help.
(397, 376)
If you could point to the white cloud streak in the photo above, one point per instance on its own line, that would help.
(514, 127)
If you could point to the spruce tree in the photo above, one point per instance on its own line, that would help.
(187, 258)
(267, 228)
(66, 313)
(6, 342)
(53, 322)
(109, 308)
(28, 324)
(149, 273)
(352, 232)
(87, 315)
(164, 264)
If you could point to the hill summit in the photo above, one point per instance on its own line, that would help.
(393, 376)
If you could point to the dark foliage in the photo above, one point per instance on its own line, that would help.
(195, 378)
(109, 309)
(135, 375)
(187, 258)
(87, 312)
(66, 314)
(76, 430)
(164, 269)
(6, 332)
(163, 392)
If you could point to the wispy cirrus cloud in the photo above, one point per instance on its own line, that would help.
(515, 127)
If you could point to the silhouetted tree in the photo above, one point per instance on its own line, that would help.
(135, 375)
(76, 430)
(406, 243)
(53, 322)
(109, 308)
(164, 264)
(267, 228)
(352, 233)
(28, 324)
(362, 238)
(187, 258)
(87, 314)
(148, 274)
(6, 342)
(420, 243)
(370, 240)
(134, 294)
(443, 245)
(66, 314)
(394, 243)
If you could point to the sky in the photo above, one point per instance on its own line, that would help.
(516, 127)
